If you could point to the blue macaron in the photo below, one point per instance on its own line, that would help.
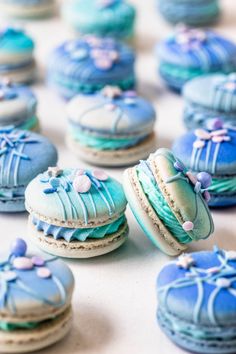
(189, 53)
(213, 151)
(23, 155)
(197, 301)
(88, 64)
(207, 97)
(18, 106)
(114, 18)
(192, 13)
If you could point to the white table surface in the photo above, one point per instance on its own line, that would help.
(115, 299)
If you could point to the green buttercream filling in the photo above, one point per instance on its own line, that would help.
(180, 72)
(161, 207)
(5, 326)
(29, 124)
(224, 185)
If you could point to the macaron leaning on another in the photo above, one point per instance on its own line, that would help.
(212, 150)
(111, 127)
(208, 97)
(16, 55)
(35, 306)
(76, 213)
(88, 64)
(190, 52)
(113, 18)
(168, 202)
(18, 106)
(197, 301)
(23, 155)
(27, 8)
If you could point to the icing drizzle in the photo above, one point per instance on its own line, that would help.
(224, 94)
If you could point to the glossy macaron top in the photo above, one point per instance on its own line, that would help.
(112, 111)
(33, 287)
(185, 194)
(14, 41)
(75, 198)
(23, 155)
(92, 59)
(215, 92)
(200, 289)
(212, 150)
(197, 48)
(17, 103)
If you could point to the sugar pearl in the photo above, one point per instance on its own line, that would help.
(198, 144)
(188, 226)
(100, 175)
(44, 272)
(37, 261)
(23, 263)
(82, 184)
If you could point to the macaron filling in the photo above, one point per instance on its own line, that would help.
(8, 326)
(81, 234)
(159, 204)
(223, 185)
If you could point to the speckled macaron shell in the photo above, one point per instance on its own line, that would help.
(46, 207)
(180, 195)
(201, 302)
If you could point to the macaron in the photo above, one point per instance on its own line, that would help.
(90, 63)
(189, 53)
(213, 151)
(26, 8)
(111, 127)
(189, 12)
(207, 97)
(197, 301)
(113, 18)
(76, 213)
(35, 306)
(16, 55)
(23, 155)
(18, 107)
(168, 202)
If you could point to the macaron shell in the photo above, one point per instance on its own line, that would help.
(180, 196)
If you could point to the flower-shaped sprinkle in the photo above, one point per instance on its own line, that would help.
(111, 92)
(185, 261)
(54, 171)
(216, 136)
(228, 85)
(84, 180)
(190, 38)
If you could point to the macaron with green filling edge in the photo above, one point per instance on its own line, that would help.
(76, 213)
(168, 202)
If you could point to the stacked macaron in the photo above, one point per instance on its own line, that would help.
(194, 52)
(26, 8)
(111, 127)
(114, 18)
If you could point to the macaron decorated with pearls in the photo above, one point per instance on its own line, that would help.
(212, 150)
(27, 9)
(35, 300)
(169, 202)
(114, 18)
(197, 301)
(76, 213)
(111, 127)
(90, 63)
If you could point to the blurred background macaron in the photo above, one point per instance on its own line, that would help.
(169, 203)
(35, 307)
(111, 127)
(16, 55)
(191, 52)
(197, 301)
(26, 8)
(190, 12)
(76, 213)
(23, 155)
(213, 151)
(207, 97)
(18, 106)
(113, 18)
(90, 63)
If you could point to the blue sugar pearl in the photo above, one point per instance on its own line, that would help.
(179, 166)
(18, 247)
(205, 179)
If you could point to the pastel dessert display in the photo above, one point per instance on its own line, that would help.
(169, 203)
(190, 12)
(207, 97)
(76, 213)
(197, 301)
(190, 52)
(16, 55)
(18, 106)
(90, 63)
(23, 155)
(35, 306)
(113, 18)
(27, 8)
(111, 127)
(212, 150)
